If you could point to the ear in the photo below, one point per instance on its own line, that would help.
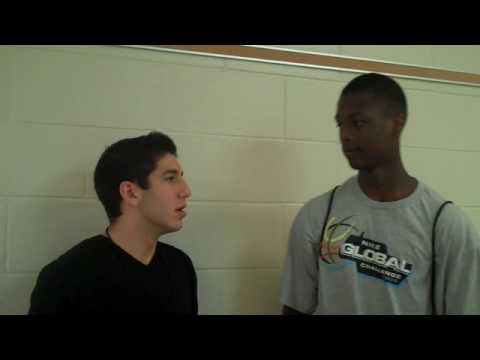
(130, 193)
(399, 123)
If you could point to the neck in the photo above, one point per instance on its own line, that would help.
(137, 240)
(387, 183)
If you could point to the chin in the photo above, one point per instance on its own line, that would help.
(360, 166)
(170, 229)
(175, 227)
(355, 166)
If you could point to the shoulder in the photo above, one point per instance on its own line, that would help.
(174, 253)
(59, 281)
(430, 197)
(318, 206)
(81, 256)
(448, 212)
(454, 217)
(453, 225)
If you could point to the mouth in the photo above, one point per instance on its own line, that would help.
(350, 150)
(181, 211)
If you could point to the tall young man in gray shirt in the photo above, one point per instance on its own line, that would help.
(383, 242)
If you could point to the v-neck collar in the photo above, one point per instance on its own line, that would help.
(126, 254)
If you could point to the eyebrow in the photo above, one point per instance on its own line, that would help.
(354, 114)
(172, 172)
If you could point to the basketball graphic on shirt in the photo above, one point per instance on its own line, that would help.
(340, 243)
(334, 236)
(330, 253)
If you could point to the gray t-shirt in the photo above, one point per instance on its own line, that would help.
(376, 257)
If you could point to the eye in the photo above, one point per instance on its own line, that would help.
(359, 123)
(170, 179)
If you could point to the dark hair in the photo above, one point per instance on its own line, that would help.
(383, 88)
(130, 159)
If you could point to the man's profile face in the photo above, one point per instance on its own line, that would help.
(163, 203)
(366, 133)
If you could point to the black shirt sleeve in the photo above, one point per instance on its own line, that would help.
(50, 294)
(194, 291)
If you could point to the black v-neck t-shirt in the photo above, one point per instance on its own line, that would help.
(97, 276)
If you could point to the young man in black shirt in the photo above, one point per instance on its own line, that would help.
(140, 183)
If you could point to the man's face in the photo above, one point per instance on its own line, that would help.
(163, 203)
(368, 136)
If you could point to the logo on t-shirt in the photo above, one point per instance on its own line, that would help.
(371, 257)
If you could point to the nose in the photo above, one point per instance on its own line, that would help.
(185, 192)
(345, 134)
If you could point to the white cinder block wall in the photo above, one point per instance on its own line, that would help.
(256, 141)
